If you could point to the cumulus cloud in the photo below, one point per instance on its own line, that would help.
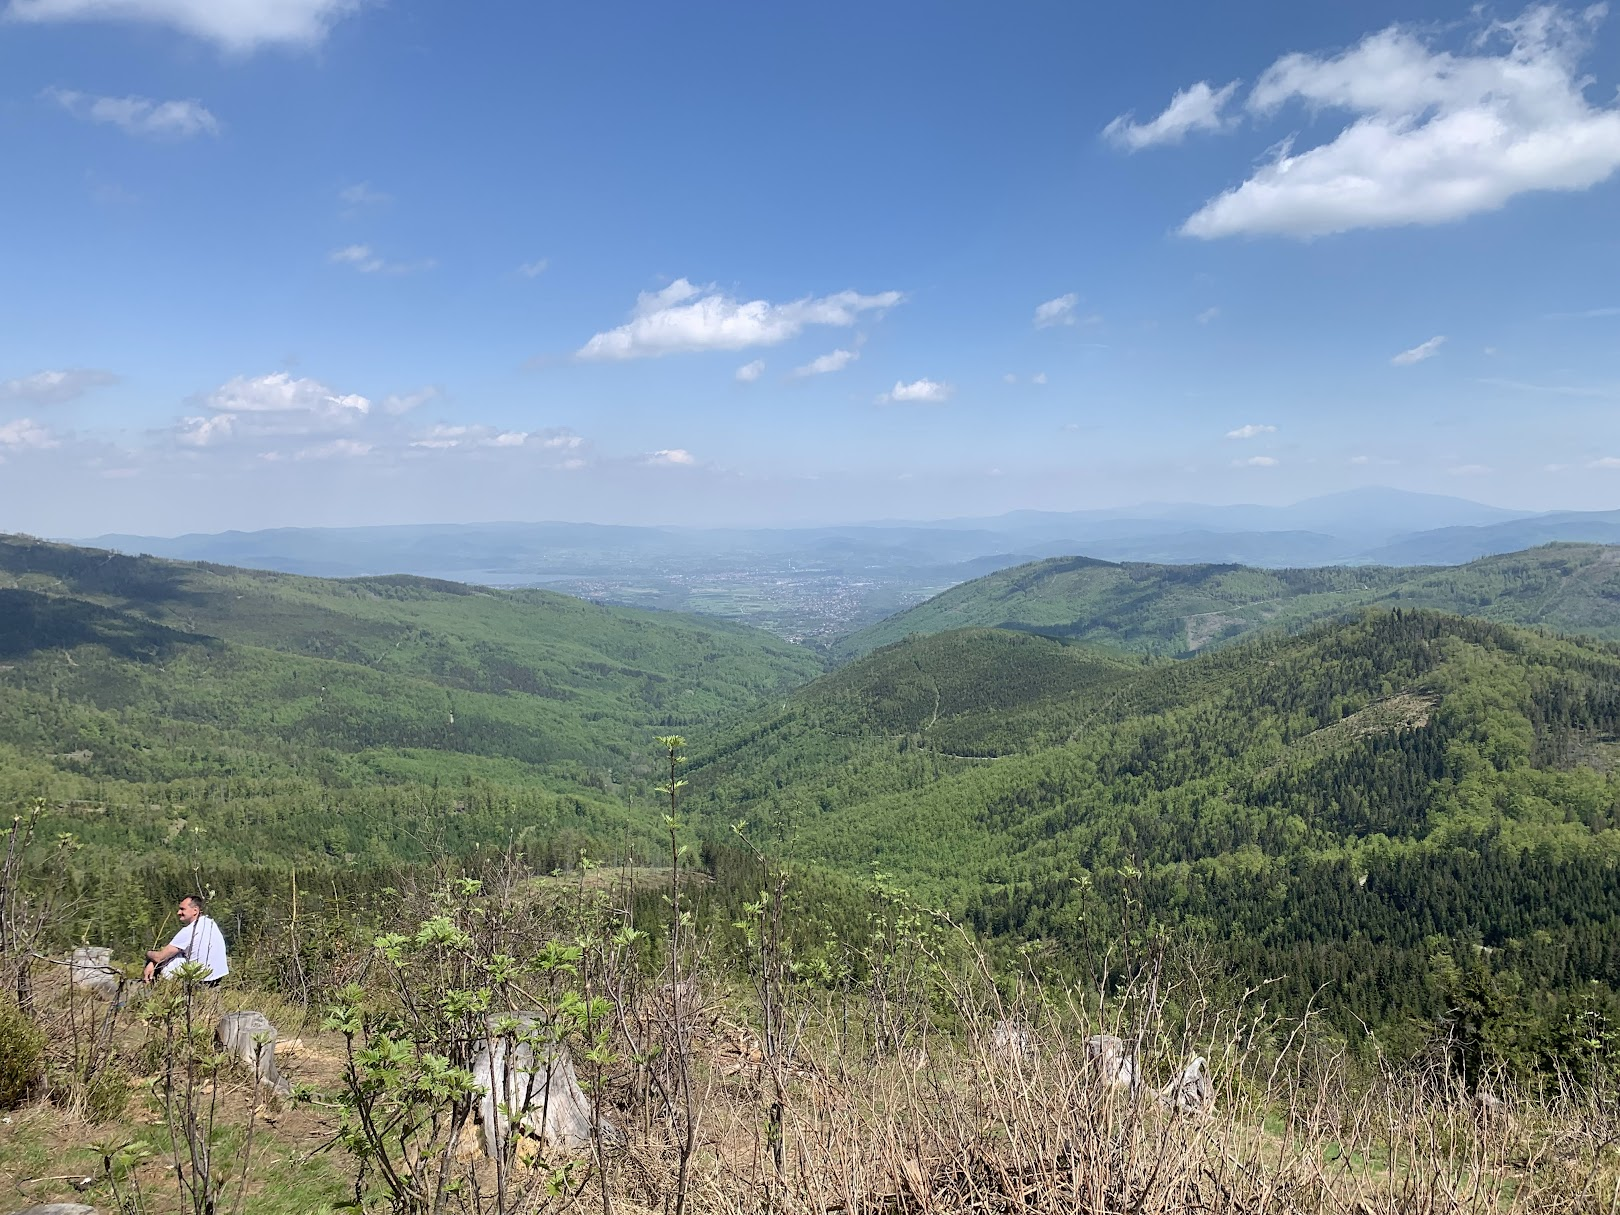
(55, 387)
(1038, 378)
(683, 318)
(235, 25)
(749, 372)
(671, 457)
(1207, 315)
(1195, 109)
(1057, 312)
(1423, 350)
(26, 433)
(918, 392)
(366, 260)
(1251, 430)
(835, 360)
(138, 115)
(534, 269)
(1256, 462)
(1429, 135)
(279, 392)
(1470, 470)
(276, 404)
(1604, 462)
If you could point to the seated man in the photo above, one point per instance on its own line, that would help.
(199, 940)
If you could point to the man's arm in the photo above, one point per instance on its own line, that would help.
(155, 959)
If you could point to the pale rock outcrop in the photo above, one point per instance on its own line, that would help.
(250, 1037)
(1113, 1061)
(90, 969)
(1192, 1092)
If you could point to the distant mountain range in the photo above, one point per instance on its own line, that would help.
(816, 584)
(1381, 526)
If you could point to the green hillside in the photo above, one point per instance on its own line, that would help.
(269, 716)
(1181, 609)
(1332, 807)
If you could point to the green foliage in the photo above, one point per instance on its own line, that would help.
(1182, 609)
(1314, 810)
(208, 713)
(22, 1055)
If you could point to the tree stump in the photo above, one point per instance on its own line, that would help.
(250, 1037)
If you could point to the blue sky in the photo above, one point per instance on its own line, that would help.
(277, 262)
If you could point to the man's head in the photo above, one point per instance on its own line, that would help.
(190, 908)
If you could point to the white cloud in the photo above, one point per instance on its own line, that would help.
(236, 25)
(1423, 350)
(1470, 470)
(361, 195)
(444, 437)
(138, 115)
(671, 457)
(279, 392)
(440, 437)
(275, 404)
(55, 387)
(835, 360)
(205, 431)
(1431, 135)
(920, 392)
(335, 449)
(366, 260)
(1251, 430)
(1195, 109)
(1256, 462)
(749, 372)
(1604, 462)
(398, 403)
(1038, 378)
(26, 433)
(1056, 312)
(1009, 378)
(535, 268)
(1207, 315)
(683, 318)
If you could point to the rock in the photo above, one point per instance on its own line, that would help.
(58, 1208)
(523, 1072)
(1011, 1040)
(1115, 1065)
(1192, 1092)
(90, 969)
(250, 1037)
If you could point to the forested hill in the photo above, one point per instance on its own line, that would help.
(271, 715)
(1339, 806)
(1181, 609)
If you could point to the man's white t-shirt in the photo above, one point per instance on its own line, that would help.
(199, 941)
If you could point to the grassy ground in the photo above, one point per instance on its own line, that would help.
(832, 1119)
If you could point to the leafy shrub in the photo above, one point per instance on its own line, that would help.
(22, 1055)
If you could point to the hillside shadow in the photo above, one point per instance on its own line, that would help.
(31, 622)
(135, 581)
